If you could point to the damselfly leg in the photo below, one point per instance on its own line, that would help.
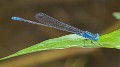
(85, 41)
(92, 42)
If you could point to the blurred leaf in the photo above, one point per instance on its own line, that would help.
(111, 40)
(116, 15)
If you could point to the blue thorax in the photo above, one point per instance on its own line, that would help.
(91, 36)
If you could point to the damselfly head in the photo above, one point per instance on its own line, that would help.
(96, 37)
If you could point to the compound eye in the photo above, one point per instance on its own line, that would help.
(97, 35)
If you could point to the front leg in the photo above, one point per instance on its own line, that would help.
(98, 43)
(92, 42)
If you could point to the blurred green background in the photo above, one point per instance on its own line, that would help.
(91, 15)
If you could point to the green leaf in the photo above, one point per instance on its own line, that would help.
(111, 40)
